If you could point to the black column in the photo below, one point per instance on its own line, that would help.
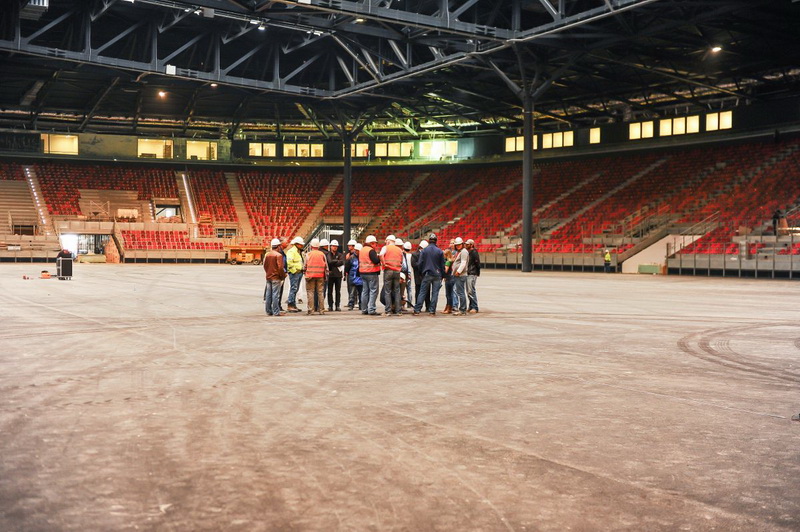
(527, 184)
(348, 189)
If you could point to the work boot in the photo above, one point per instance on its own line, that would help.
(292, 308)
(447, 309)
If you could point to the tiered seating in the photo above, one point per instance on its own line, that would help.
(793, 250)
(374, 191)
(166, 240)
(717, 242)
(60, 183)
(11, 172)
(279, 201)
(211, 196)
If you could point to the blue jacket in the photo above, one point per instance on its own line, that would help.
(431, 261)
(355, 277)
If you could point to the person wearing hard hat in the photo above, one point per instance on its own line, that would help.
(294, 266)
(282, 250)
(473, 272)
(334, 285)
(389, 241)
(392, 261)
(418, 275)
(316, 272)
(369, 266)
(274, 268)
(348, 264)
(409, 274)
(459, 276)
(607, 261)
(449, 254)
(323, 247)
(354, 278)
(431, 265)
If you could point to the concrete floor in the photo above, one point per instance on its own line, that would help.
(140, 397)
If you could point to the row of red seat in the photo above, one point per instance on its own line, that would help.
(166, 240)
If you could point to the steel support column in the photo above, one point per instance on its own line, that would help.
(348, 189)
(527, 183)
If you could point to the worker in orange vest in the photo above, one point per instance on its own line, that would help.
(369, 266)
(316, 270)
(392, 260)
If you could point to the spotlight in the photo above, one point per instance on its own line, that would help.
(162, 94)
(254, 21)
(716, 49)
(262, 26)
(360, 20)
(214, 85)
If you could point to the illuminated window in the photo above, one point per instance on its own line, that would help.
(290, 150)
(359, 150)
(726, 120)
(547, 141)
(255, 149)
(394, 149)
(60, 144)
(647, 130)
(569, 139)
(635, 131)
(406, 149)
(665, 128)
(303, 150)
(381, 150)
(594, 135)
(679, 126)
(693, 124)
(558, 140)
(511, 144)
(269, 149)
(155, 148)
(451, 148)
(201, 150)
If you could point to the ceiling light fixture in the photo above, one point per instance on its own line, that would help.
(162, 94)
(716, 49)
(214, 85)
(360, 20)
(262, 26)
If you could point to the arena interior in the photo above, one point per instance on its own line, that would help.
(629, 171)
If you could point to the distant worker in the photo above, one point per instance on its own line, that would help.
(335, 264)
(607, 261)
(369, 266)
(276, 273)
(449, 254)
(431, 265)
(294, 266)
(392, 261)
(409, 275)
(418, 276)
(282, 251)
(316, 272)
(348, 265)
(459, 276)
(323, 247)
(384, 296)
(354, 279)
(473, 272)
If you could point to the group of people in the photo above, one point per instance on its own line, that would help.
(412, 279)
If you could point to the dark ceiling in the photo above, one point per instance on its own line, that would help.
(405, 68)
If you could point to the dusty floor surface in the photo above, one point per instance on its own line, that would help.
(162, 398)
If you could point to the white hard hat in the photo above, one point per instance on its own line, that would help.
(352, 243)
(298, 240)
(358, 246)
(471, 242)
(324, 242)
(275, 242)
(390, 237)
(458, 241)
(334, 243)
(314, 242)
(398, 241)
(423, 244)
(370, 239)
(407, 245)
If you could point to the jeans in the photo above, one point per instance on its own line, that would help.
(314, 288)
(409, 290)
(334, 292)
(294, 285)
(351, 293)
(369, 294)
(418, 292)
(273, 297)
(459, 293)
(472, 294)
(434, 282)
(448, 290)
(391, 287)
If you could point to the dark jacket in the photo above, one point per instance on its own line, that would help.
(335, 259)
(431, 261)
(415, 266)
(474, 266)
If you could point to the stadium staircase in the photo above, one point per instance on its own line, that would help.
(420, 220)
(238, 204)
(184, 195)
(314, 218)
(16, 206)
(378, 221)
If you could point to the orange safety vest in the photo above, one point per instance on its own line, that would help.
(315, 264)
(393, 258)
(365, 264)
